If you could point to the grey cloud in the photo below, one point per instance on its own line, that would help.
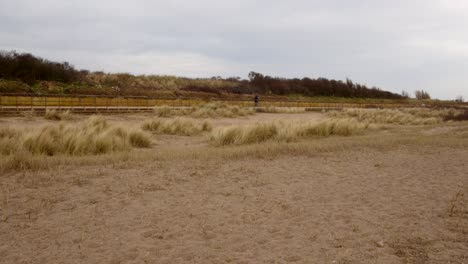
(396, 45)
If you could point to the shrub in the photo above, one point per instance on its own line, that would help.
(11, 86)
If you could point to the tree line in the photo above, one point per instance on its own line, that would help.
(30, 69)
(264, 84)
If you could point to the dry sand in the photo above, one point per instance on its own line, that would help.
(405, 204)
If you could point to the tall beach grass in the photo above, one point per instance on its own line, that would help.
(284, 131)
(90, 137)
(209, 110)
(416, 116)
(52, 114)
(177, 126)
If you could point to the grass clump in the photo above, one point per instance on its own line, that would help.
(57, 115)
(90, 137)
(284, 131)
(209, 110)
(457, 116)
(139, 139)
(392, 116)
(177, 126)
(220, 109)
(167, 111)
(432, 113)
(273, 109)
(9, 140)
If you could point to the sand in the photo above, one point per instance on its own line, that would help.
(405, 204)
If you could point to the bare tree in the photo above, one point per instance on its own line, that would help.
(405, 94)
(421, 95)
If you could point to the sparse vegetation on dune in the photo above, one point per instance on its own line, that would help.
(273, 109)
(410, 116)
(284, 131)
(209, 110)
(58, 115)
(28, 73)
(460, 116)
(177, 126)
(220, 109)
(8, 140)
(91, 137)
(166, 111)
(429, 112)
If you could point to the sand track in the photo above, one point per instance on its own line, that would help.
(367, 205)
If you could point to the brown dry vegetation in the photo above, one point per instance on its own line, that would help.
(209, 110)
(177, 126)
(284, 131)
(92, 136)
(410, 116)
(272, 109)
(397, 194)
(57, 115)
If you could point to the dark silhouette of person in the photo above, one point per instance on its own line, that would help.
(256, 100)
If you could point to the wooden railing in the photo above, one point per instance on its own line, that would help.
(23, 102)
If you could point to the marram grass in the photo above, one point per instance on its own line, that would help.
(177, 126)
(90, 137)
(209, 110)
(284, 131)
(409, 116)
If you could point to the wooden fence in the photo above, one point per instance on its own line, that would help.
(16, 103)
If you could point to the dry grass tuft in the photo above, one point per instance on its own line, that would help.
(284, 131)
(139, 139)
(8, 140)
(167, 111)
(57, 115)
(220, 109)
(458, 116)
(272, 109)
(177, 126)
(209, 110)
(93, 136)
(415, 116)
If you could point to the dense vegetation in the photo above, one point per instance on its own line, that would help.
(23, 72)
(30, 69)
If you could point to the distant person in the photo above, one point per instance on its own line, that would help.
(256, 100)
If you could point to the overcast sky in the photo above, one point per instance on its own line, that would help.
(395, 45)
